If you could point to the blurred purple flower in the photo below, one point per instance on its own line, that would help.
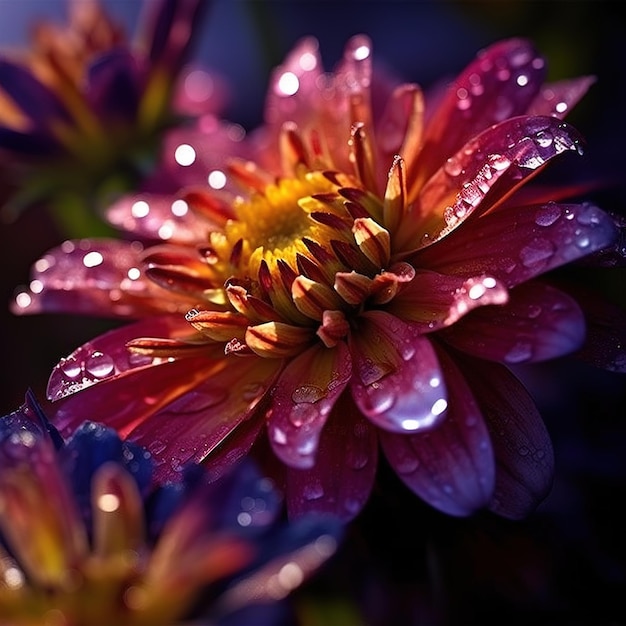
(88, 539)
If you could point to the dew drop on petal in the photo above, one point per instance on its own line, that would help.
(520, 352)
(406, 464)
(99, 365)
(308, 393)
(548, 215)
(71, 367)
(302, 414)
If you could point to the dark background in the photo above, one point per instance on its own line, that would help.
(402, 563)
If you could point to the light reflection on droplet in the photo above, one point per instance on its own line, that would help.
(439, 406)
(288, 84)
(184, 154)
(180, 207)
(561, 107)
(362, 52)
(108, 502)
(307, 61)
(133, 273)
(522, 80)
(23, 300)
(41, 265)
(13, 578)
(92, 259)
(140, 209)
(217, 179)
(166, 231)
(244, 519)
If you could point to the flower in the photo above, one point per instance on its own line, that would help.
(86, 538)
(364, 285)
(82, 110)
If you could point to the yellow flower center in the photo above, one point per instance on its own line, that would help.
(273, 226)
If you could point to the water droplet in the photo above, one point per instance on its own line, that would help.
(547, 215)
(380, 398)
(71, 367)
(308, 393)
(534, 311)
(99, 365)
(302, 414)
(313, 491)
(520, 352)
(406, 464)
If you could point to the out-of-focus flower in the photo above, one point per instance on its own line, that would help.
(83, 109)
(363, 284)
(87, 539)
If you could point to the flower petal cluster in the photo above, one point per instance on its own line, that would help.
(87, 539)
(362, 285)
(82, 110)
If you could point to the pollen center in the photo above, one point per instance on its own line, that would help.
(272, 225)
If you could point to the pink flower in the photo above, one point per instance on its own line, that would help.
(358, 287)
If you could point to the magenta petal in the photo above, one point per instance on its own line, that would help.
(524, 455)
(402, 390)
(503, 156)
(557, 99)
(302, 399)
(485, 93)
(90, 276)
(433, 300)
(106, 358)
(451, 466)
(342, 478)
(539, 322)
(518, 243)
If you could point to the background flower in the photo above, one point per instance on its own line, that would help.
(86, 538)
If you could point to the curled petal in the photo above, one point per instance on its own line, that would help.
(219, 326)
(434, 301)
(313, 298)
(518, 243)
(302, 399)
(342, 478)
(373, 240)
(522, 446)
(450, 466)
(505, 155)
(398, 384)
(538, 323)
(277, 339)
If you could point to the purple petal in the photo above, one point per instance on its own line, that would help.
(302, 400)
(518, 243)
(38, 102)
(538, 323)
(524, 455)
(113, 86)
(450, 466)
(398, 384)
(342, 478)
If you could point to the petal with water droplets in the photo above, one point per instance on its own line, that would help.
(214, 422)
(397, 384)
(434, 300)
(302, 399)
(518, 243)
(522, 446)
(560, 97)
(538, 323)
(450, 466)
(342, 478)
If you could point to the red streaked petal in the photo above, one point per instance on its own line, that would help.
(276, 339)
(522, 445)
(398, 383)
(519, 243)
(342, 478)
(538, 323)
(208, 419)
(302, 399)
(434, 300)
(450, 466)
